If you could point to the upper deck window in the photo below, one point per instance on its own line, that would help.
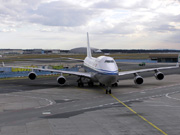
(109, 61)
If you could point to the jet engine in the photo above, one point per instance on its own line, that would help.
(159, 76)
(32, 76)
(138, 80)
(61, 80)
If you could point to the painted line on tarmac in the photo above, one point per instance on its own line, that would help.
(150, 123)
(46, 113)
(50, 102)
(151, 89)
(167, 95)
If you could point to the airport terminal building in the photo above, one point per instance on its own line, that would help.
(160, 57)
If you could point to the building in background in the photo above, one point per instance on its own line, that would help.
(33, 51)
(53, 51)
(83, 50)
(167, 57)
(11, 51)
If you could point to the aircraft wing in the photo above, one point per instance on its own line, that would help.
(147, 70)
(83, 74)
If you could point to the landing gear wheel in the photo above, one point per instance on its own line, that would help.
(108, 90)
(91, 84)
(80, 84)
(102, 85)
(115, 85)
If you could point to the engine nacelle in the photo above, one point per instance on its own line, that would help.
(61, 80)
(32, 76)
(138, 80)
(159, 76)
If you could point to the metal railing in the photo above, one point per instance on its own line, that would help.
(9, 74)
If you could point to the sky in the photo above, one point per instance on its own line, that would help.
(112, 24)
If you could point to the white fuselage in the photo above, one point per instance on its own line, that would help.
(104, 69)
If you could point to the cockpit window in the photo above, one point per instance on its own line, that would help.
(109, 61)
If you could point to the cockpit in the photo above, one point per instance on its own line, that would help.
(109, 61)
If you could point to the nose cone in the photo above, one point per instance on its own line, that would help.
(112, 68)
(107, 80)
(109, 66)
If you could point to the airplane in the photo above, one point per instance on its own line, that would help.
(102, 69)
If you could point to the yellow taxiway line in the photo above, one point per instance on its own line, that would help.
(139, 115)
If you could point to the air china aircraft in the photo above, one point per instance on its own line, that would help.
(102, 69)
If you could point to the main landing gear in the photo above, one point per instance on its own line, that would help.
(108, 90)
(115, 85)
(80, 83)
(90, 84)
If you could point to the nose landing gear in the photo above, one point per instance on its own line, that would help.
(108, 90)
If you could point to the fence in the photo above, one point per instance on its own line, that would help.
(7, 72)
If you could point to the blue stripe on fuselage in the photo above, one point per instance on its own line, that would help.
(104, 72)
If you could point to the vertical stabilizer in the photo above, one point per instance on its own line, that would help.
(88, 47)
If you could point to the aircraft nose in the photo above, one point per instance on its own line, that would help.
(108, 80)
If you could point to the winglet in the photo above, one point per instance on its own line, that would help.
(88, 47)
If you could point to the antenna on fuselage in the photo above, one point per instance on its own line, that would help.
(88, 47)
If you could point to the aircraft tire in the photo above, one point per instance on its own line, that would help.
(106, 91)
(109, 91)
(91, 84)
(80, 85)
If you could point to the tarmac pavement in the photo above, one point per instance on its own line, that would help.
(42, 107)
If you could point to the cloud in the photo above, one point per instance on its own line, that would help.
(135, 19)
(135, 4)
(59, 14)
(164, 28)
(124, 4)
(106, 4)
(121, 28)
(8, 30)
(173, 38)
(55, 13)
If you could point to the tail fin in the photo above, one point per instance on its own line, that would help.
(88, 47)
